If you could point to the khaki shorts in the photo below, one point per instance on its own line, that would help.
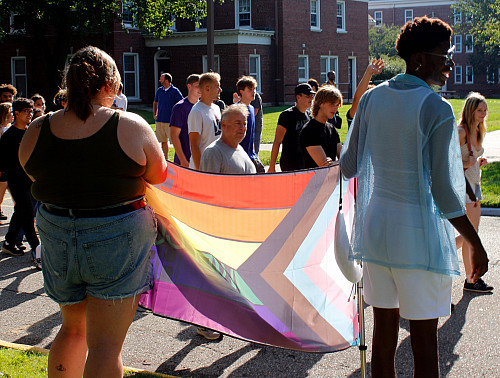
(419, 294)
(162, 132)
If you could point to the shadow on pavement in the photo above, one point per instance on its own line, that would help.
(449, 335)
(284, 363)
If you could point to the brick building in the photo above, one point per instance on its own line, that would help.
(280, 43)
(465, 77)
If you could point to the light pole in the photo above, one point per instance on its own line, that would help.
(210, 35)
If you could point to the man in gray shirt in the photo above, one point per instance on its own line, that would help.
(225, 155)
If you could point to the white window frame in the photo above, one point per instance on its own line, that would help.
(238, 14)
(15, 76)
(468, 18)
(469, 48)
(377, 16)
(458, 74)
(407, 17)
(328, 67)
(490, 75)
(205, 63)
(305, 68)
(257, 73)
(457, 17)
(458, 44)
(11, 23)
(316, 13)
(467, 69)
(341, 7)
(135, 72)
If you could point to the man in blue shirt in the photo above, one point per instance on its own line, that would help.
(246, 88)
(165, 99)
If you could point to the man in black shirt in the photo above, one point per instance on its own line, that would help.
(18, 181)
(290, 122)
(319, 140)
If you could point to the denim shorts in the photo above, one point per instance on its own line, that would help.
(106, 258)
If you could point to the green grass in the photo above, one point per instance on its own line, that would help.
(20, 364)
(15, 363)
(265, 157)
(490, 185)
(147, 115)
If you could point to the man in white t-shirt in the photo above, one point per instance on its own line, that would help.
(120, 101)
(204, 118)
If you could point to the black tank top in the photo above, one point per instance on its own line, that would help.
(84, 173)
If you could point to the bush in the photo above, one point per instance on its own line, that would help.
(393, 65)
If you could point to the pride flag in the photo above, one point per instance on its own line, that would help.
(252, 256)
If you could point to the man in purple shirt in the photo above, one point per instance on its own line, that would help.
(179, 134)
(165, 98)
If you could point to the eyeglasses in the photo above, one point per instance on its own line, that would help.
(448, 56)
(27, 111)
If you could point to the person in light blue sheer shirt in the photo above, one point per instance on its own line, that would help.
(403, 147)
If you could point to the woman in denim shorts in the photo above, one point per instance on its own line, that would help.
(90, 165)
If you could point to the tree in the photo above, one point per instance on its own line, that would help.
(382, 44)
(481, 19)
(69, 20)
(382, 40)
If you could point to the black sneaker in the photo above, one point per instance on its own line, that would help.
(479, 287)
(2, 215)
(11, 249)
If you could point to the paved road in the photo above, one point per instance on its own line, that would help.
(469, 341)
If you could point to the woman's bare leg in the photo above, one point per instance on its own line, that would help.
(69, 349)
(107, 324)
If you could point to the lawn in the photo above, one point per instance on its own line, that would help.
(21, 364)
(490, 185)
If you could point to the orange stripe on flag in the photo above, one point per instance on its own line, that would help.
(244, 192)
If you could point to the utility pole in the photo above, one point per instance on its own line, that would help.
(210, 35)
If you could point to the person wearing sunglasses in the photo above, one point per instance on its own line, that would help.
(403, 146)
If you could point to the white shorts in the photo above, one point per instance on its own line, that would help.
(419, 294)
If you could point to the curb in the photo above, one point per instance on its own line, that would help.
(29, 348)
(490, 211)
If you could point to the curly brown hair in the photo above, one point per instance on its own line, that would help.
(421, 35)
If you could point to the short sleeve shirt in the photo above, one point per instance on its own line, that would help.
(315, 133)
(221, 158)
(179, 118)
(166, 99)
(291, 155)
(204, 120)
